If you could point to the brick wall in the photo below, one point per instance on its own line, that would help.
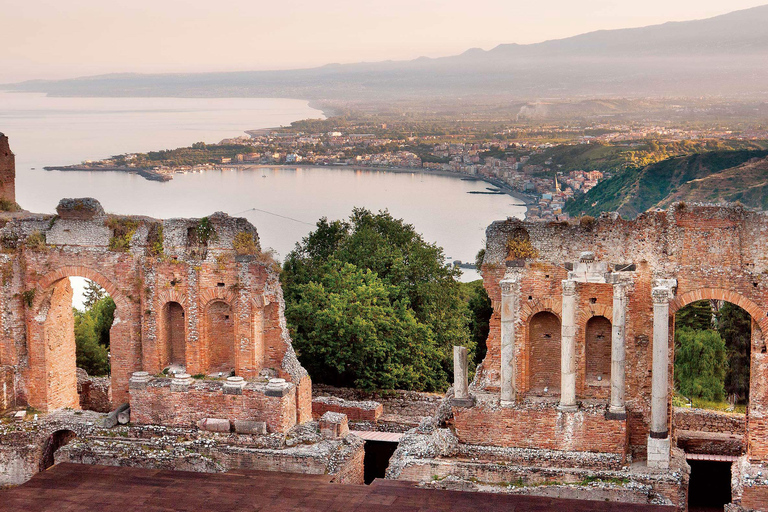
(7, 388)
(7, 171)
(541, 427)
(172, 336)
(598, 349)
(355, 410)
(60, 348)
(157, 404)
(220, 332)
(544, 338)
(708, 421)
(712, 252)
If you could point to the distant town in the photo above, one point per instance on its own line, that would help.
(532, 167)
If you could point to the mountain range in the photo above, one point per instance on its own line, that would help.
(721, 56)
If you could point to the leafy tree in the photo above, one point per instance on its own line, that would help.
(696, 315)
(480, 316)
(735, 327)
(93, 293)
(349, 331)
(700, 363)
(92, 335)
(413, 272)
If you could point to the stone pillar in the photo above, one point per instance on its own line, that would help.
(568, 349)
(509, 293)
(460, 373)
(617, 409)
(658, 440)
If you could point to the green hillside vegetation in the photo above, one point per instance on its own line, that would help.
(199, 153)
(636, 189)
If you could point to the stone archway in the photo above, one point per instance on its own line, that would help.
(51, 343)
(55, 441)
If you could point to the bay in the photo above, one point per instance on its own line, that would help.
(282, 202)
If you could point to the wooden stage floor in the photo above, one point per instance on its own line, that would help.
(80, 487)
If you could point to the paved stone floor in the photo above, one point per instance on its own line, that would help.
(79, 487)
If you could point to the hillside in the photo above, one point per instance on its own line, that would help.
(717, 176)
(721, 55)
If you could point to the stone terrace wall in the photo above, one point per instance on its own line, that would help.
(402, 406)
(708, 421)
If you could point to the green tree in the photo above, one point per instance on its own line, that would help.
(413, 272)
(696, 315)
(700, 363)
(480, 316)
(92, 336)
(93, 293)
(347, 330)
(735, 327)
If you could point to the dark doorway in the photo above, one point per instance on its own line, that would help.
(710, 486)
(377, 455)
(53, 443)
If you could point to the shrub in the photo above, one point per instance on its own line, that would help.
(244, 243)
(521, 249)
(36, 242)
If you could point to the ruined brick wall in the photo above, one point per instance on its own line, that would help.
(367, 410)
(540, 427)
(159, 404)
(7, 171)
(544, 358)
(166, 284)
(712, 252)
(94, 392)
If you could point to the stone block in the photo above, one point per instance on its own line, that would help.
(20, 415)
(658, 453)
(181, 382)
(334, 425)
(234, 386)
(124, 417)
(250, 427)
(139, 380)
(84, 208)
(277, 388)
(214, 425)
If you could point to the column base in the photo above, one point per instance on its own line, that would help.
(616, 413)
(567, 408)
(658, 453)
(507, 403)
(463, 402)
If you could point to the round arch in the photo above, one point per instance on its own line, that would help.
(755, 311)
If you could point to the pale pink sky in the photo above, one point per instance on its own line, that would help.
(68, 38)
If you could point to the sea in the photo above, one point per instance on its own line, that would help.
(284, 203)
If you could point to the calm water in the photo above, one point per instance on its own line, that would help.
(59, 131)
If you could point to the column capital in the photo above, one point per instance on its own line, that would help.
(569, 287)
(510, 283)
(661, 295)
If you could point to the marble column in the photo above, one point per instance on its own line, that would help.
(617, 409)
(509, 293)
(658, 440)
(460, 373)
(568, 349)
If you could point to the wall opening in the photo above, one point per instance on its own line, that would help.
(544, 362)
(713, 346)
(598, 350)
(52, 444)
(377, 455)
(220, 328)
(173, 336)
(710, 485)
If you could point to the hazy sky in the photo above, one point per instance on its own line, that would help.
(67, 38)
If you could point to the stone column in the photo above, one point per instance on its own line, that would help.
(461, 396)
(568, 349)
(509, 289)
(617, 409)
(658, 440)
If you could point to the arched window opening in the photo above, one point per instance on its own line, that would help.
(52, 444)
(173, 336)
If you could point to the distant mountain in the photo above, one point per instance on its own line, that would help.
(724, 55)
(712, 177)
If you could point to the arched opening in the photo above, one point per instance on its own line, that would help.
(172, 342)
(713, 347)
(52, 444)
(598, 351)
(220, 329)
(544, 343)
(75, 327)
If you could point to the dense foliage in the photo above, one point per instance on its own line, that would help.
(370, 304)
(198, 153)
(92, 327)
(700, 363)
(712, 351)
